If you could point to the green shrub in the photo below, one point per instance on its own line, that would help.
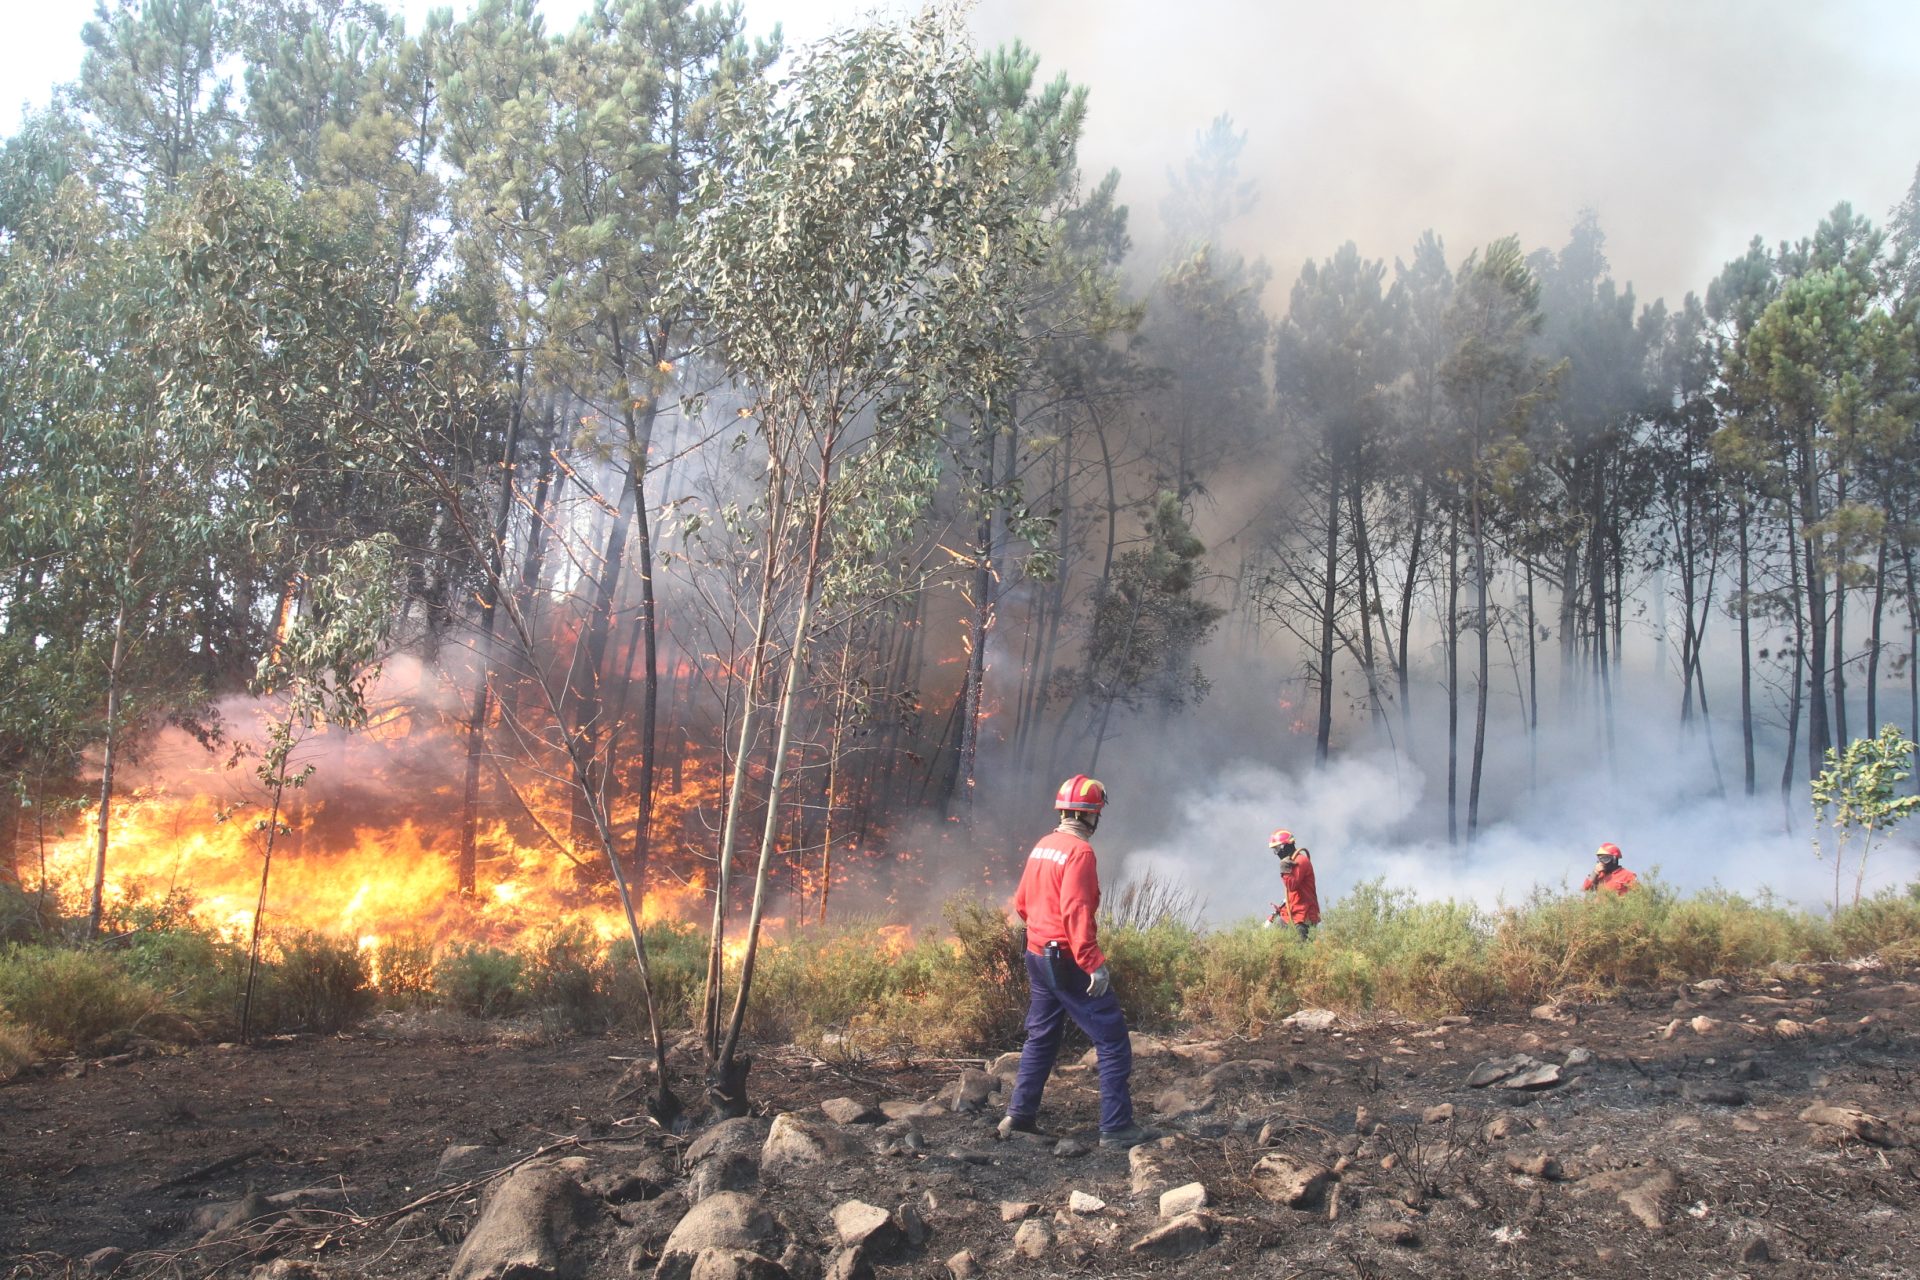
(479, 980)
(1151, 968)
(201, 976)
(1247, 980)
(81, 1000)
(404, 970)
(677, 964)
(562, 977)
(317, 984)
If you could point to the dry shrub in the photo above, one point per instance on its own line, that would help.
(1886, 925)
(16, 1049)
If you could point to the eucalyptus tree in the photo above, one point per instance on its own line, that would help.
(1335, 357)
(1494, 384)
(853, 268)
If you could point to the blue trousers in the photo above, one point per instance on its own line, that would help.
(1060, 992)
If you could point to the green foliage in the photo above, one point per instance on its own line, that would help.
(561, 975)
(405, 971)
(319, 983)
(1855, 796)
(74, 1000)
(478, 980)
(199, 975)
(1886, 924)
(677, 963)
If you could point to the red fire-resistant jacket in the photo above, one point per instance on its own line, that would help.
(1303, 903)
(1619, 880)
(1058, 895)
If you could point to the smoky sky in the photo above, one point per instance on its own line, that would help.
(1688, 127)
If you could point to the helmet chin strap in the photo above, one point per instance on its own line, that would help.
(1078, 822)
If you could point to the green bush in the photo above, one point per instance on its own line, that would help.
(479, 980)
(82, 1000)
(317, 984)
(563, 979)
(1151, 969)
(1247, 980)
(201, 976)
(677, 964)
(404, 970)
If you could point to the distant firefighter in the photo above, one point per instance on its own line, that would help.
(1608, 873)
(1302, 907)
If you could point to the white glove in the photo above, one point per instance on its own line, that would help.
(1101, 982)
(1267, 923)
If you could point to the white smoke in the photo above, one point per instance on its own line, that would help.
(1359, 817)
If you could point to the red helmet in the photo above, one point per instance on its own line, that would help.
(1608, 852)
(1280, 838)
(1081, 793)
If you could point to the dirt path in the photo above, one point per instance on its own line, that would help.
(1678, 1155)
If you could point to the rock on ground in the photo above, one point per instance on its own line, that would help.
(1290, 1180)
(525, 1221)
(1183, 1237)
(726, 1220)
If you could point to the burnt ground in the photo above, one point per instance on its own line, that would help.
(1675, 1151)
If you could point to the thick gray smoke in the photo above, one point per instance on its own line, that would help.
(1690, 128)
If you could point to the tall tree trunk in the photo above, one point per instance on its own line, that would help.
(1533, 686)
(587, 677)
(726, 1077)
(1746, 644)
(1873, 638)
(1323, 732)
(639, 441)
(979, 631)
(1799, 661)
(1480, 694)
(736, 789)
(96, 899)
(1406, 613)
(1453, 678)
(466, 868)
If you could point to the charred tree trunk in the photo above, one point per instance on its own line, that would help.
(1406, 612)
(466, 869)
(1873, 635)
(96, 899)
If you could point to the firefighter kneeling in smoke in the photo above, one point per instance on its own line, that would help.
(1302, 907)
(1067, 972)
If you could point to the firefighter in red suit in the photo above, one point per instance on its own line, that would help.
(1302, 907)
(1067, 972)
(1608, 873)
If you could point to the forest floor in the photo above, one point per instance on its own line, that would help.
(1758, 1127)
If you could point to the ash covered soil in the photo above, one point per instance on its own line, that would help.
(1759, 1127)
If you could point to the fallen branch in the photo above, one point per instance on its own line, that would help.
(207, 1171)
